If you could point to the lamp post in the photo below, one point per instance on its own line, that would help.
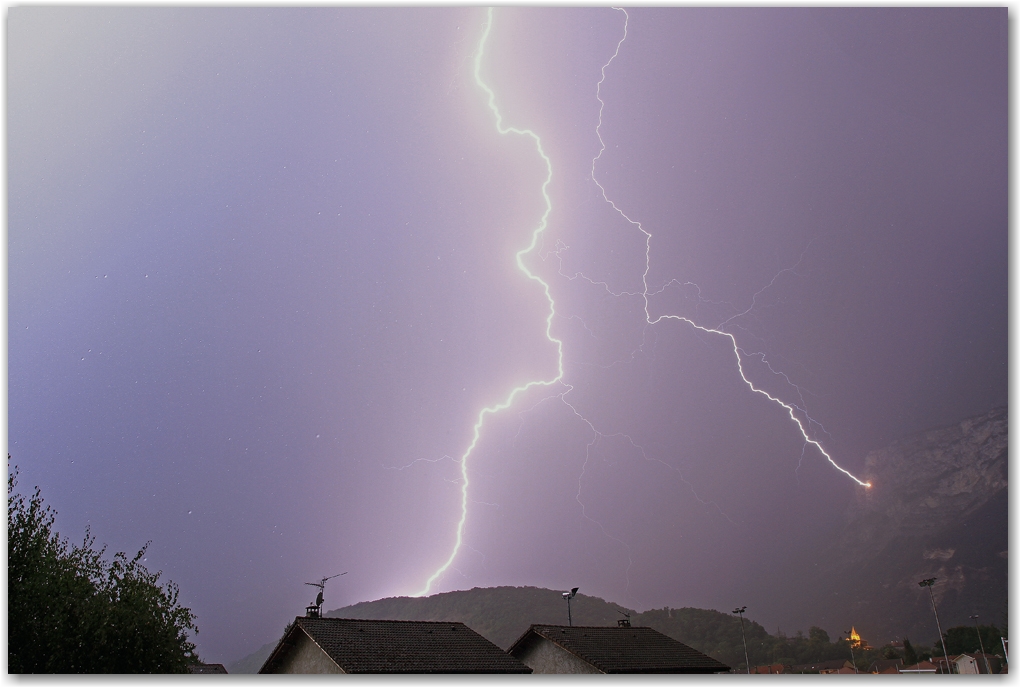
(740, 612)
(981, 643)
(850, 643)
(568, 596)
(928, 583)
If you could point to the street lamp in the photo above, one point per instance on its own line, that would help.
(981, 643)
(740, 612)
(850, 643)
(928, 583)
(567, 596)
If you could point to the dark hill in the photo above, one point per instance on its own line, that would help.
(500, 614)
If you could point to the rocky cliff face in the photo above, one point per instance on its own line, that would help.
(927, 483)
(938, 507)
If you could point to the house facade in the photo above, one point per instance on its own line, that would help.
(969, 664)
(624, 649)
(341, 645)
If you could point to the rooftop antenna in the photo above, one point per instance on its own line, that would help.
(626, 619)
(315, 611)
(567, 596)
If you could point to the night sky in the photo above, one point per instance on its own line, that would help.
(262, 279)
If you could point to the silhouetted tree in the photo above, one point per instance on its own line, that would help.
(818, 635)
(964, 639)
(909, 655)
(70, 611)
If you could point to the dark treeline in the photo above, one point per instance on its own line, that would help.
(718, 635)
(69, 610)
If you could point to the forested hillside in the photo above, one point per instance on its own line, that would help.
(500, 614)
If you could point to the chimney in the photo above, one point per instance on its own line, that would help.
(623, 623)
(312, 612)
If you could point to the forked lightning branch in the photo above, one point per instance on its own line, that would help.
(650, 320)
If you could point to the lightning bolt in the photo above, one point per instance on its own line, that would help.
(517, 391)
(739, 353)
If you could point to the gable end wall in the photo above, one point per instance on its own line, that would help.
(543, 656)
(306, 658)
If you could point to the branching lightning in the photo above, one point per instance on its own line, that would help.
(738, 352)
(646, 293)
(517, 391)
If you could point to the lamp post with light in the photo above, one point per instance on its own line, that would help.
(929, 583)
(981, 643)
(568, 596)
(740, 612)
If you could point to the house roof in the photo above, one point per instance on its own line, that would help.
(624, 649)
(400, 646)
(923, 667)
(207, 668)
(822, 665)
(770, 669)
(884, 664)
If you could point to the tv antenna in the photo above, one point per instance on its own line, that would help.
(321, 584)
(625, 621)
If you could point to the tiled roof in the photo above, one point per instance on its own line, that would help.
(882, 664)
(922, 666)
(822, 665)
(770, 669)
(207, 668)
(626, 649)
(404, 646)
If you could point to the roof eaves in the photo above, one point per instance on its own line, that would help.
(607, 664)
(520, 640)
(288, 641)
(586, 659)
(279, 646)
(356, 664)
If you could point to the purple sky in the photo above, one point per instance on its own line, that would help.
(262, 281)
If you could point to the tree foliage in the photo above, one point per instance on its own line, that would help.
(964, 639)
(909, 654)
(718, 635)
(71, 611)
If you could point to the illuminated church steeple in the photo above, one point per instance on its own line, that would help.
(855, 640)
